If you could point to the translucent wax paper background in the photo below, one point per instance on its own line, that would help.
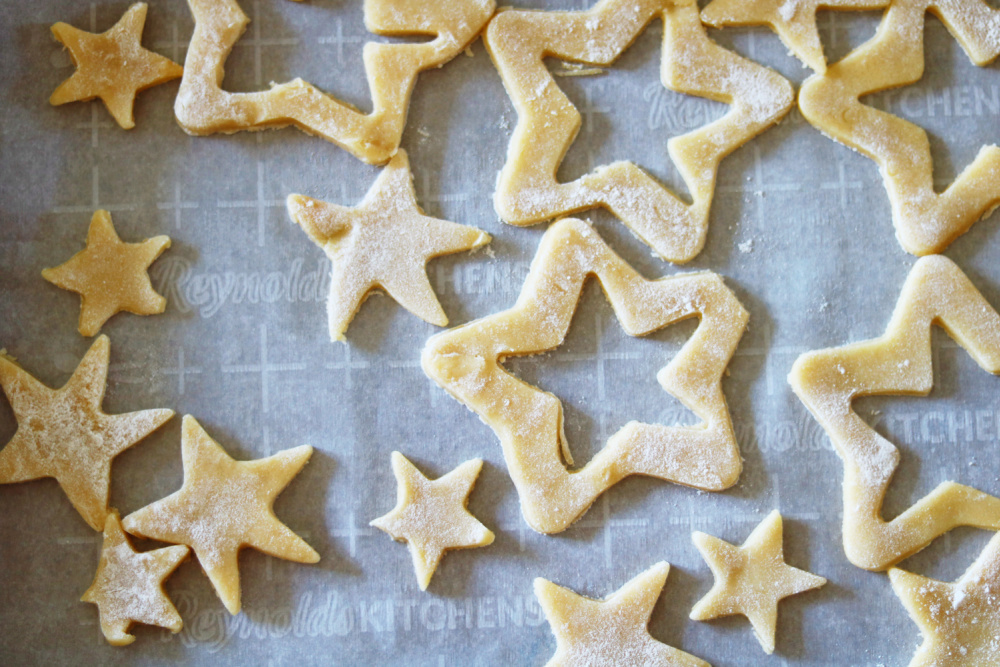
(800, 229)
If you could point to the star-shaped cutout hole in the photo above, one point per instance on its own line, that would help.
(432, 516)
(128, 586)
(110, 275)
(384, 243)
(63, 433)
(960, 622)
(112, 65)
(751, 579)
(223, 506)
(612, 631)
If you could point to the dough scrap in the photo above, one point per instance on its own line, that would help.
(793, 20)
(203, 107)
(609, 632)
(433, 516)
(960, 622)
(128, 586)
(383, 242)
(64, 434)
(527, 191)
(899, 362)
(110, 275)
(223, 506)
(112, 65)
(751, 579)
(466, 362)
(926, 222)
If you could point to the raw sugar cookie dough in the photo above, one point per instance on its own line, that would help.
(899, 362)
(467, 362)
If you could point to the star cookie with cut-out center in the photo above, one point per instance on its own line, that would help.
(751, 579)
(223, 506)
(110, 275)
(63, 433)
(960, 622)
(112, 65)
(612, 631)
(384, 243)
(128, 586)
(432, 516)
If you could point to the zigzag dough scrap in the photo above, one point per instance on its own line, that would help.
(899, 362)
(466, 361)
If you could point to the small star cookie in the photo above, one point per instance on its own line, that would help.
(110, 275)
(63, 433)
(899, 362)
(112, 65)
(128, 586)
(467, 362)
(383, 242)
(612, 631)
(223, 506)
(751, 579)
(960, 622)
(433, 516)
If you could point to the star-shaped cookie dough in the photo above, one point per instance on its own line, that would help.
(223, 506)
(793, 20)
(63, 433)
(899, 362)
(751, 579)
(112, 65)
(110, 275)
(609, 632)
(960, 622)
(433, 516)
(383, 242)
(128, 587)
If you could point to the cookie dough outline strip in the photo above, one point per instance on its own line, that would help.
(899, 362)
(926, 222)
(465, 361)
(203, 107)
(527, 191)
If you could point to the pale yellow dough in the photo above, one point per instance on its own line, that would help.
(611, 632)
(203, 107)
(63, 433)
(128, 586)
(223, 506)
(432, 516)
(899, 362)
(110, 275)
(960, 622)
(528, 192)
(926, 222)
(793, 20)
(751, 579)
(466, 361)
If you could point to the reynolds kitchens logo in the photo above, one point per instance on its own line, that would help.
(677, 112)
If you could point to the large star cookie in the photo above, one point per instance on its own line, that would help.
(751, 579)
(223, 506)
(793, 20)
(467, 362)
(110, 275)
(383, 242)
(128, 586)
(528, 192)
(899, 362)
(112, 65)
(960, 622)
(432, 516)
(612, 631)
(926, 221)
(203, 107)
(63, 433)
